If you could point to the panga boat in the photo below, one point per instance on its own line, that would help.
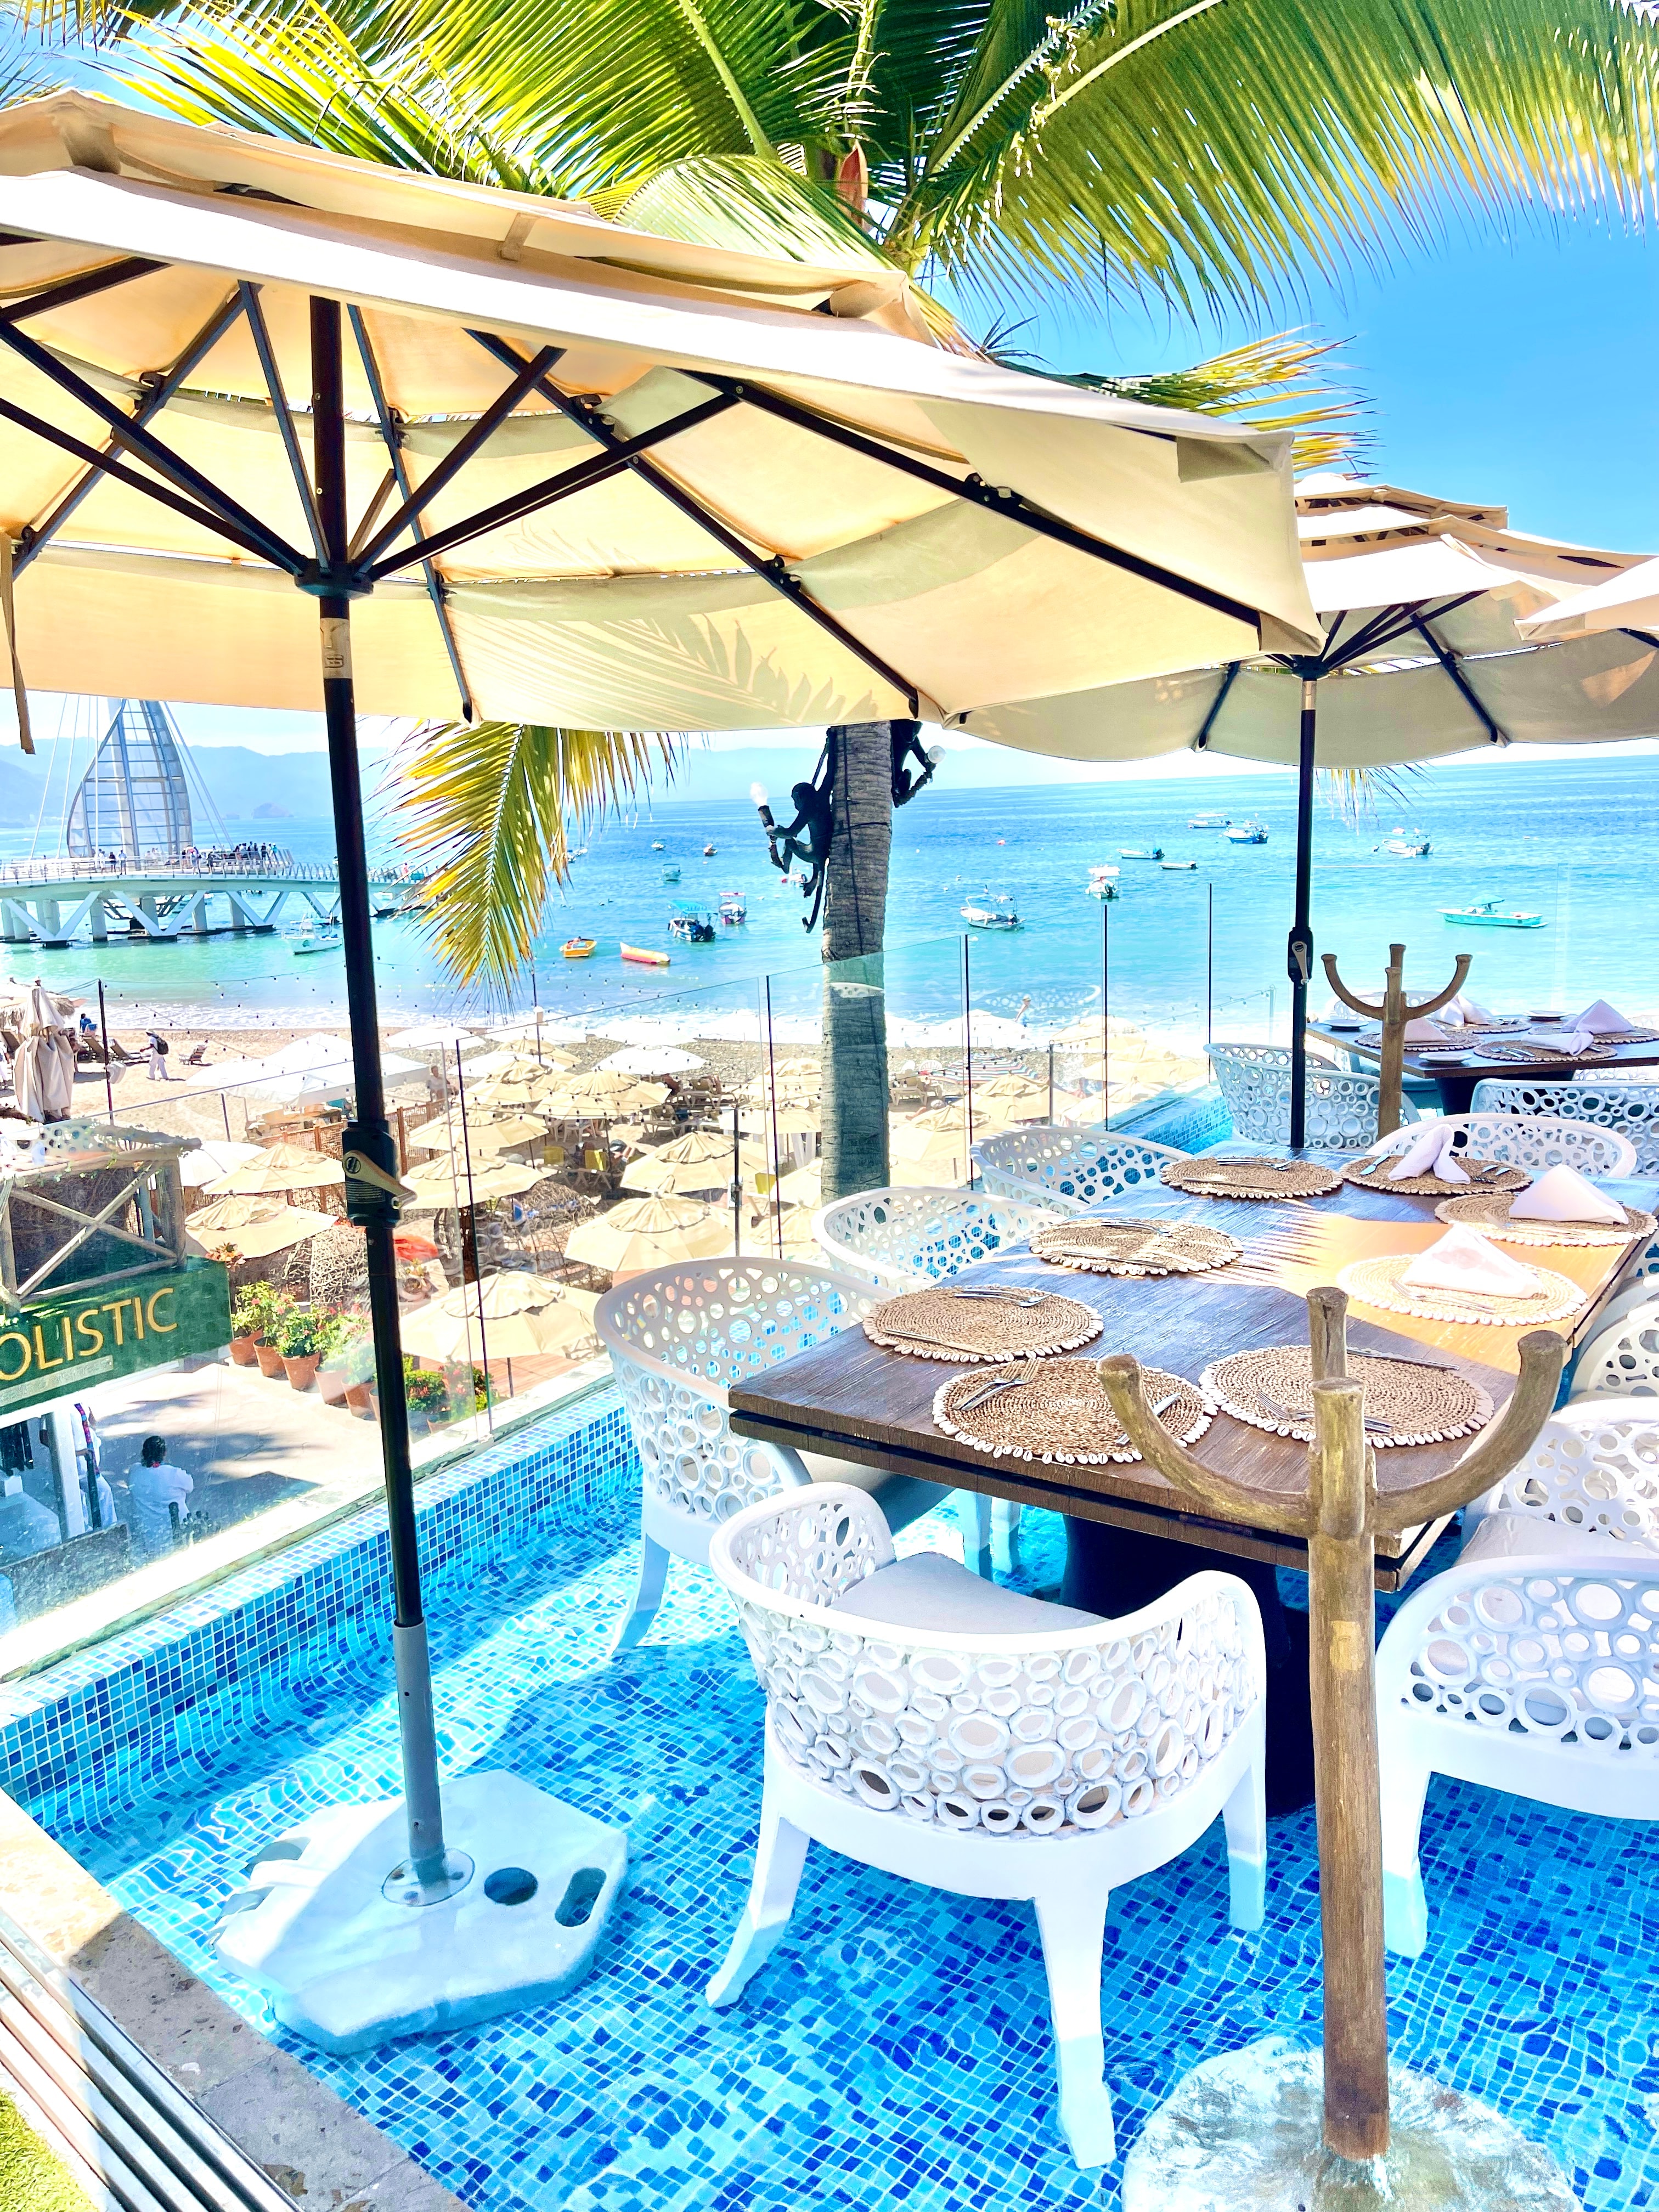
(1210, 822)
(579, 948)
(1102, 883)
(1411, 847)
(1140, 851)
(690, 927)
(990, 911)
(671, 874)
(708, 852)
(657, 845)
(1176, 867)
(1486, 916)
(1247, 833)
(734, 909)
(327, 938)
(645, 959)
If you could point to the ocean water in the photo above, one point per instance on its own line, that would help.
(1572, 841)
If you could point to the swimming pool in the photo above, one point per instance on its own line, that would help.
(895, 2049)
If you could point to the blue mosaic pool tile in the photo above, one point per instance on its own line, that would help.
(895, 2052)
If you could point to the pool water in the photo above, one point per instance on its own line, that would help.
(895, 2050)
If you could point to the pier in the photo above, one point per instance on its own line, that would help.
(53, 901)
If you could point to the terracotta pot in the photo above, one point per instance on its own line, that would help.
(331, 1385)
(270, 1359)
(242, 1350)
(302, 1372)
(360, 1397)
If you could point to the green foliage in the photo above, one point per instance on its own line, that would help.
(29, 2175)
(427, 1390)
(260, 1311)
(301, 1331)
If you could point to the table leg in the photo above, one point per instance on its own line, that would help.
(1457, 1091)
(1113, 1572)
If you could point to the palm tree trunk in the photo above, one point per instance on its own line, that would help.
(854, 1003)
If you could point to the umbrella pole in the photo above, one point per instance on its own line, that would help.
(430, 1873)
(1299, 953)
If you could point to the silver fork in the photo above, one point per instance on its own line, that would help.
(1011, 1296)
(1009, 1377)
(1305, 1413)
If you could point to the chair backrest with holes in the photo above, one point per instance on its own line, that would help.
(1595, 1467)
(1544, 1140)
(1068, 1170)
(1622, 1359)
(678, 1339)
(1070, 1730)
(1632, 1108)
(1254, 1079)
(897, 1239)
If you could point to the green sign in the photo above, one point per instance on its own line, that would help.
(58, 1347)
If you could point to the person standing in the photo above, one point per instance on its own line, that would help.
(158, 1057)
(153, 1486)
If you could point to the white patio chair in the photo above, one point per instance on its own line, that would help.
(1632, 1108)
(902, 1239)
(1594, 1471)
(678, 1339)
(1068, 1170)
(1531, 1667)
(1621, 1360)
(1254, 1080)
(1543, 1140)
(988, 1744)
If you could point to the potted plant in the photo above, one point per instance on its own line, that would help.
(279, 1304)
(426, 1393)
(246, 1319)
(342, 1334)
(356, 1361)
(300, 1339)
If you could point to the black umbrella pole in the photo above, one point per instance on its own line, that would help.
(368, 1144)
(1299, 954)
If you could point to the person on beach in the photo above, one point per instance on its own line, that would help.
(153, 1486)
(158, 1057)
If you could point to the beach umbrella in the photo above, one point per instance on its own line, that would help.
(480, 1133)
(874, 527)
(1626, 604)
(515, 1290)
(787, 1117)
(701, 1161)
(803, 1186)
(43, 1072)
(611, 1087)
(437, 1036)
(650, 1060)
(445, 1334)
(256, 1227)
(278, 1168)
(445, 1181)
(213, 1157)
(648, 1232)
(1431, 612)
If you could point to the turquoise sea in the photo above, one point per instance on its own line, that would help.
(1576, 842)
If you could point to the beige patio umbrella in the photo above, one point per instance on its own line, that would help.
(700, 1160)
(481, 1134)
(43, 1073)
(1012, 1098)
(510, 1090)
(442, 1332)
(803, 1186)
(611, 1087)
(1626, 604)
(256, 1227)
(445, 1181)
(280, 1167)
(789, 1118)
(648, 1232)
(213, 1157)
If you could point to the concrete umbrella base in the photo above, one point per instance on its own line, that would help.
(1243, 2130)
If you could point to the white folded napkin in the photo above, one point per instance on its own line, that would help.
(1425, 1032)
(1561, 1037)
(1470, 1012)
(1561, 1193)
(1424, 1148)
(1603, 1019)
(1463, 1260)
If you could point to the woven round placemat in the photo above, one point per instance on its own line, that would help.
(1519, 1055)
(1063, 1415)
(1423, 1404)
(1378, 1282)
(1256, 1177)
(935, 1324)
(1135, 1248)
(1489, 1210)
(1428, 1186)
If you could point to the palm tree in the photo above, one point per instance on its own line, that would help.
(1204, 154)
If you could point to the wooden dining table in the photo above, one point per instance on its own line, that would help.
(1455, 1070)
(856, 1400)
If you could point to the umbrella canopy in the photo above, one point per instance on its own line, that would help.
(479, 1133)
(699, 1161)
(445, 1181)
(513, 1290)
(789, 1118)
(1119, 540)
(1014, 1097)
(437, 1036)
(213, 1157)
(256, 1227)
(648, 1232)
(803, 1186)
(278, 1168)
(43, 1073)
(442, 1332)
(1626, 602)
(649, 1059)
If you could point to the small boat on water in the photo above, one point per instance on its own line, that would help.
(1102, 883)
(1486, 916)
(690, 927)
(1140, 851)
(708, 852)
(325, 938)
(671, 874)
(734, 907)
(990, 911)
(657, 845)
(1247, 833)
(645, 959)
(1210, 822)
(1411, 847)
(579, 948)
(1177, 867)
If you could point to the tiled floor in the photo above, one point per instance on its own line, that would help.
(895, 2050)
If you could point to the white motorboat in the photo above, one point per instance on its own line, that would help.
(1102, 883)
(1409, 847)
(1210, 822)
(1247, 833)
(990, 911)
(1140, 851)
(1177, 867)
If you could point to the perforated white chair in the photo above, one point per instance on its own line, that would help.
(1621, 1360)
(1068, 1170)
(901, 1239)
(678, 1339)
(950, 1731)
(1632, 1108)
(1254, 1080)
(1594, 1471)
(1531, 1667)
(1543, 1140)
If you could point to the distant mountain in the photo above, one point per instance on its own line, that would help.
(244, 785)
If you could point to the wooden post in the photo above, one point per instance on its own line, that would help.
(1394, 1013)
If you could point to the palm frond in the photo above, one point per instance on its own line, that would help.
(488, 806)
